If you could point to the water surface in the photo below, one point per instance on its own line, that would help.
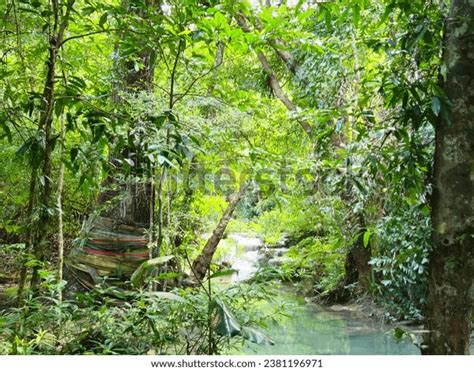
(312, 329)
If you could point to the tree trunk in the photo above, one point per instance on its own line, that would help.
(29, 235)
(358, 269)
(130, 201)
(451, 266)
(46, 125)
(126, 206)
(59, 204)
(202, 263)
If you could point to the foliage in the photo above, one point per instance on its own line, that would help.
(107, 321)
(174, 95)
(401, 263)
(318, 261)
(144, 268)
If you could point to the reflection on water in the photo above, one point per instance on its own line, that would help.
(315, 330)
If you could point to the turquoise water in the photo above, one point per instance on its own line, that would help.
(309, 329)
(313, 329)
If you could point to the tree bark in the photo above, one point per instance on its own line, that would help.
(451, 266)
(357, 269)
(202, 263)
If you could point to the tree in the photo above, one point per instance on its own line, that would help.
(357, 267)
(135, 70)
(61, 13)
(451, 264)
(202, 263)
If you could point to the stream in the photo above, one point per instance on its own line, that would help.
(311, 328)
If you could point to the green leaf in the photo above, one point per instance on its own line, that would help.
(224, 322)
(185, 32)
(150, 157)
(25, 147)
(141, 271)
(6, 131)
(367, 238)
(103, 19)
(436, 106)
(88, 10)
(225, 272)
(163, 159)
(359, 186)
(33, 263)
(164, 295)
(356, 14)
(167, 276)
(398, 333)
(129, 161)
(159, 120)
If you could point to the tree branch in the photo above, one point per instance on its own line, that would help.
(86, 34)
(273, 80)
(196, 79)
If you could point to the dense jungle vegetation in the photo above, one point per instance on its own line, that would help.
(135, 135)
